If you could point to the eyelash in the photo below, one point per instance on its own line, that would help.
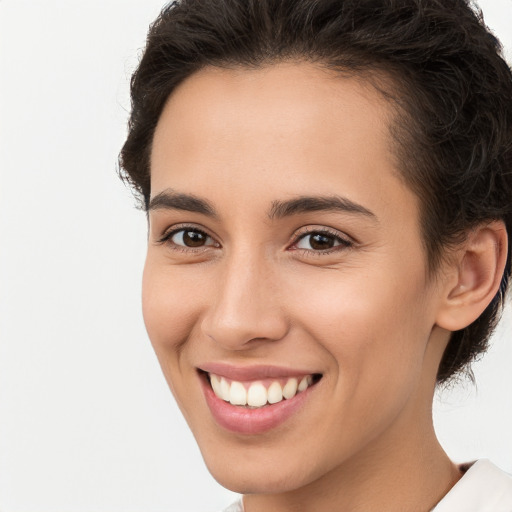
(167, 239)
(342, 242)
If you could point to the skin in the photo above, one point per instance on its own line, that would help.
(366, 315)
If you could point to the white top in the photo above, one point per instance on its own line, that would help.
(235, 507)
(483, 488)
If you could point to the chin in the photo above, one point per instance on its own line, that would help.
(261, 473)
(258, 480)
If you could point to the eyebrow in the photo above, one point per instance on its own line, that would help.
(306, 204)
(172, 200)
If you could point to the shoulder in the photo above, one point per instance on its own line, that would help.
(483, 488)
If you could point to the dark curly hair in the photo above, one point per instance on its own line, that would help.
(434, 60)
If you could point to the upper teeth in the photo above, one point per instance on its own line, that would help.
(256, 394)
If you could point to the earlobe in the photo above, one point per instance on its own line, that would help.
(476, 270)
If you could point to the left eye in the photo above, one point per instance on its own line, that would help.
(191, 238)
(320, 241)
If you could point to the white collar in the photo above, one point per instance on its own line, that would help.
(483, 488)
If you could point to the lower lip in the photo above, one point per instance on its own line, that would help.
(242, 420)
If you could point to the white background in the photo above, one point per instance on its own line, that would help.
(86, 420)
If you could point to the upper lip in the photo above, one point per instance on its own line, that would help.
(252, 372)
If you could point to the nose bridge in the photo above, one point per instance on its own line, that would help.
(246, 306)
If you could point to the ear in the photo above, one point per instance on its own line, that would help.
(473, 276)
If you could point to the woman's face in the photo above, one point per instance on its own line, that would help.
(284, 250)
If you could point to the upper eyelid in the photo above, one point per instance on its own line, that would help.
(308, 230)
(176, 228)
(166, 240)
(323, 230)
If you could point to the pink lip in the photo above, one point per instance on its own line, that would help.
(242, 420)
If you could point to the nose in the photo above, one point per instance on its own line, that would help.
(246, 306)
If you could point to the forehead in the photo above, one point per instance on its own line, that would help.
(292, 127)
(263, 105)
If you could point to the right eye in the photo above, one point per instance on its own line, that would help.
(188, 238)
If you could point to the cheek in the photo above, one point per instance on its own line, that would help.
(170, 306)
(373, 326)
(375, 343)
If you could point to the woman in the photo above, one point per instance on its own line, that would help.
(328, 187)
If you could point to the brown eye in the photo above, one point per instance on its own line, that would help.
(321, 242)
(191, 238)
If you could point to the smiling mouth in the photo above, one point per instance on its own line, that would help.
(259, 393)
